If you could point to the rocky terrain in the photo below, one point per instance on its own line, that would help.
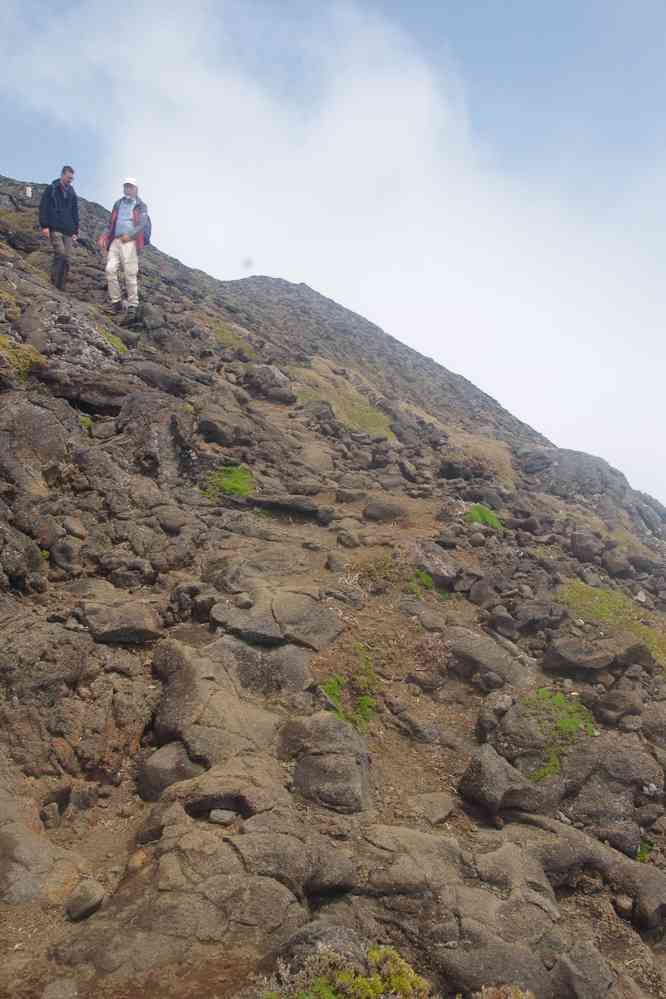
(304, 640)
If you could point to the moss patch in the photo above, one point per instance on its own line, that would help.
(562, 721)
(228, 335)
(480, 514)
(111, 338)
(22, 357)
(10, 306)
(644, 851)
(235, 480)
(328, 975)
(353, 699)
(617, 612)
(319, 383)
(85, 422)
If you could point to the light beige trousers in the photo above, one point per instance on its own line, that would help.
(123, 255)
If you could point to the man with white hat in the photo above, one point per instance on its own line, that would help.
(127, 233)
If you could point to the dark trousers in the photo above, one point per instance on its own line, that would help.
(62, 247)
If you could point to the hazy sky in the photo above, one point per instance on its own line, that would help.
(485, 180)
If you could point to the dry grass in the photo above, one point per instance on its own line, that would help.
(495, 454)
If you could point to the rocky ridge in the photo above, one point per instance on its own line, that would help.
(303, 638)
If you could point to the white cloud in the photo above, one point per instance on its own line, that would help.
(358, 173)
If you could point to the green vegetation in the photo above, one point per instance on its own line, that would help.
(618, 612)
(423, 581)
(228, 337)
(350, 406)
(562, 721)
(328, 975)
(10, 306)
(353, 699)
(480, 514)
(45, 554)
(21, 357)
(644, 850)
(85, 423)
(234, 480)
(111, 338)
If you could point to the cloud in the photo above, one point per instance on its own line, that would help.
(326, 149)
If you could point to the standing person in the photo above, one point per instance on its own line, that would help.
(123, 239)
(59, 219)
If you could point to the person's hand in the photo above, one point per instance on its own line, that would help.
(74, 237)
(125, 238)
(46, 232)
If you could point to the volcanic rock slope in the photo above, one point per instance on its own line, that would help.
(305, 639)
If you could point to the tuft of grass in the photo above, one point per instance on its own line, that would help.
(421, 581)
(45, 554)
(618, 612)
(644, 851)
(353, 700)
(424, 579)
(111, 338)
(85, 422)
(562, 721)
(326, 974)
(480, 514)
(22, 357)
(234, 480)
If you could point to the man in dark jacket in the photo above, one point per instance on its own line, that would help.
(59, 219)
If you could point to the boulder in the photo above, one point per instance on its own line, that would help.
(384, 511)
(84, 900)
(166, 766)
(268, 381)
(331, 761)
(124, 624)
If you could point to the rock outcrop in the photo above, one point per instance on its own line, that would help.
(304, 640)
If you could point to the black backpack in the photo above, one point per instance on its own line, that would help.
(147, 232)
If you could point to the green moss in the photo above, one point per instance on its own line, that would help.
(425, 579)
(327, 975)
(234, 480)
(618, 612)
(480, 514)
(22, 357)
(353, 699)
(44, 553)
(232, 340)
(10, 306)
(562, 721)
(85, 422)
(349, 407)
(111, 338)
(644, 850)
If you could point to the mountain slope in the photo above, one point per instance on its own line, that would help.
(303, 640)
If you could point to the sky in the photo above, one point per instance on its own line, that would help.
(485, 180)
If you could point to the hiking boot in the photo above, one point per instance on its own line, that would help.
(115, 308)
(132, 315)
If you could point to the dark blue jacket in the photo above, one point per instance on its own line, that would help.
(59, 209)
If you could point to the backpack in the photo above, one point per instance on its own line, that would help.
(147, 231)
